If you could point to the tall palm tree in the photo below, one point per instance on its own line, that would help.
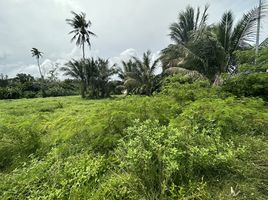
(80, 30)
(142, 74)
(81, 34)
(38, 54)
(75, 69)
(239, 36)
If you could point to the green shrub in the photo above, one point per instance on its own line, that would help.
(249, 85)
(230, 116)
(29, 94)
(164, 157)
(185, 89)
(10, 93)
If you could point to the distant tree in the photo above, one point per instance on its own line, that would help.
(125, 72)
(99, 74)
(24, 78)
(3, 80)
(38, 54)
(75, 69)
(140, 75)
(81, 34)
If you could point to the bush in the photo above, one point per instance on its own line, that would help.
(29, 94)
(10, 93)
(186, 89)
(248, 85)
(165, 158)
(230, 116)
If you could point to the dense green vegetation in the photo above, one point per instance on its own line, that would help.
(196, 131)
(26, 86)
(190, 141)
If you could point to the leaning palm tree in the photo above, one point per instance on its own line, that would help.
(80, 30)
(38, 54)
(75, 69)
(239, 36)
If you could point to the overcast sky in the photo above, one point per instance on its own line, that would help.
(123, 27)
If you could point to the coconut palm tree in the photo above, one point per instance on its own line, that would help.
(124, 74)
(203, 53)
(141, 74)
(127, 67)
(81, 32)
(38, 54)
(102, 80)
(75, 69)
(180, 33)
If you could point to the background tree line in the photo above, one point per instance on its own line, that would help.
(209, 50)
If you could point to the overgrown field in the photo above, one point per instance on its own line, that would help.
(190, 141)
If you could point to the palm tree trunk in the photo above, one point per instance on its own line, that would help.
(83, 88)
(42, 79)
(83, 49)
(85, 82)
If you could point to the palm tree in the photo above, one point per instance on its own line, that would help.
(38, 54)
(128, 67)
(239, 36)
(189, 21)
(80, 30)
(124, 74)
(103, 77)
(142, 74)
(202, 53)
(82, 36)
(75, 69)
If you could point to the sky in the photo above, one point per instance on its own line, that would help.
(124, 28)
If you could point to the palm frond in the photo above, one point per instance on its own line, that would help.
(244, 32)
(80, 30)
(264, 43)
